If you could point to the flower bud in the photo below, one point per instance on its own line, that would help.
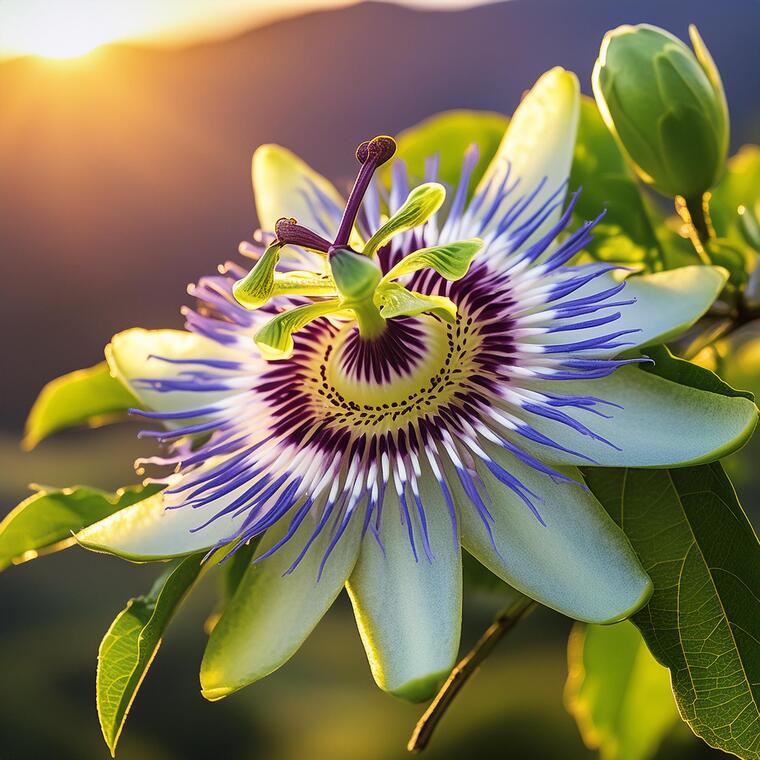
(666, 107)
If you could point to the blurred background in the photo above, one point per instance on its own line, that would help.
(124, 175)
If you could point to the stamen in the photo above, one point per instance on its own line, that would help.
(370, 154)
(289, 232)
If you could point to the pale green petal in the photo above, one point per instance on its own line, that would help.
(539, 143)
(661, 424)
(131, 357)
(667, 303)
(580, 563)
(410, 613)
(147, 531)
(282, 182)
(272, 613)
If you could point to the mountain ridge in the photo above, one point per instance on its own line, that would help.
(126, 175)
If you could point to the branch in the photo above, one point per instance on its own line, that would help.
(464, 670)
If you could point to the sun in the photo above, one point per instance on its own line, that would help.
(72, 42)
(62, 30)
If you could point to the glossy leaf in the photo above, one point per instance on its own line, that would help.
(131, 643)
(626, 233)
(448, 135)
(703, 620)
(618, 693)
(46, 521)
(739, 187)
(687, 373)
(89, 396)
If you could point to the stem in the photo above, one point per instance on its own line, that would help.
(464, 670)
(371, 322)
(694, 213)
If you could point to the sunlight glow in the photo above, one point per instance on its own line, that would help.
(72, 28)
(65, 30)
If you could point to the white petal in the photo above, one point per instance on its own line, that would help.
(409, 612)
(580, 563)
(539, 144)
(283, 186)
(272, 612)
(131, 357)
(148, 531)
(667, 303)
(661, 423)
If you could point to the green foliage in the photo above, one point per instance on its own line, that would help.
(619, 694)
(740, 357)
(739, 187)
(626, 234)
(448, 135)
(736, 257)
(686, 373)
(131, 643)
(89, 396)
(703, 620)
(47, 521)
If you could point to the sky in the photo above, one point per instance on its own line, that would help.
(68, 28)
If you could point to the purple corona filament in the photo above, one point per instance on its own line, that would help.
(348, 426)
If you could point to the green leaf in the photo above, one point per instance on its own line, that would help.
(739, 187)
(685, 373)
(740, 357)
(423, 201)
(89, 396)
(734, 256)
(618, 693)
(703, 620)
(450, 261)
(131, 643)
(47, 521)
(448, 135)
(626, 233)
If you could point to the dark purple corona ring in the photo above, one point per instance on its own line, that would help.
(351, 429)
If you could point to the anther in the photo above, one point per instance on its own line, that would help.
(289, 232)
(370, 154)
(379, 149)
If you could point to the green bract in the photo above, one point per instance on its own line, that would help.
(666, 107)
